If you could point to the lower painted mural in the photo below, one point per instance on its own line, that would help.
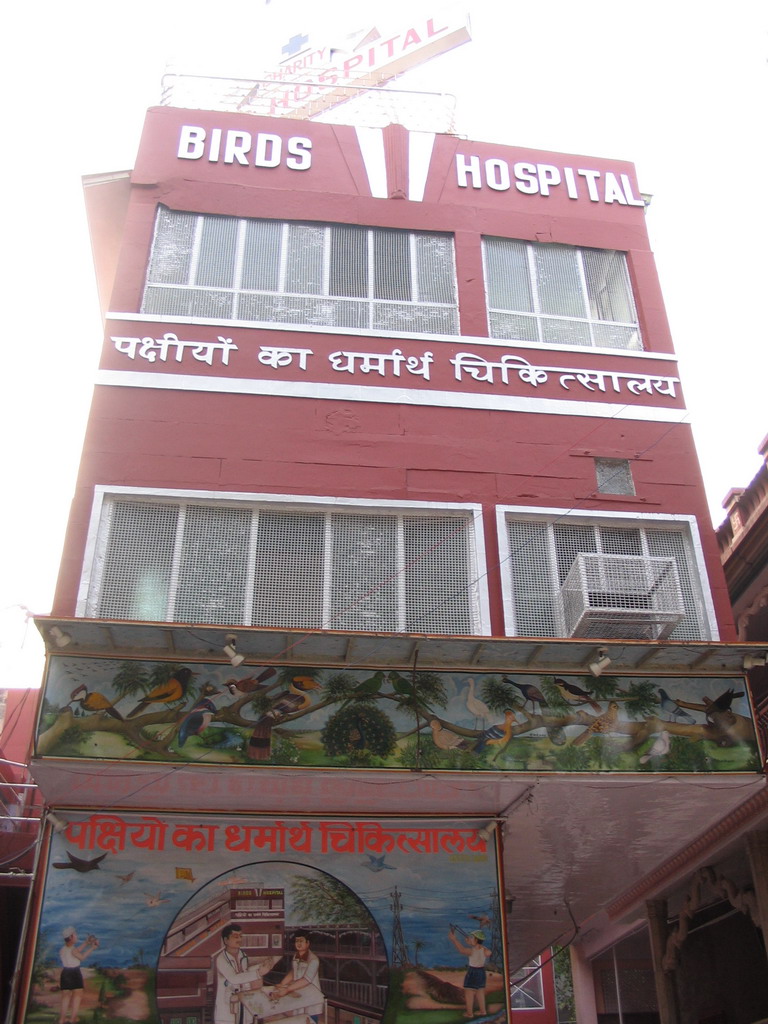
(190, 920)
(201, 712)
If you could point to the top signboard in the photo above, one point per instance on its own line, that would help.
(322, 77)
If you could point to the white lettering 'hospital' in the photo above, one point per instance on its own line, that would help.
(545, 179)
(262, 149)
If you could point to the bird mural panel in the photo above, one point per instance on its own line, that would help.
(374, 717)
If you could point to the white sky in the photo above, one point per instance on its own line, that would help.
(679, 88)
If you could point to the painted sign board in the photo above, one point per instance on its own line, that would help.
(385, 908)
(365, 718)
(254, 151)
(319, 78)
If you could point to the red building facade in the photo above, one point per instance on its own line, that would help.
(405, 406)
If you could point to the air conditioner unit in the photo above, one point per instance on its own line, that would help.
(626, 597)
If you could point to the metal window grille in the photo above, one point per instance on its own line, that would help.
(559, 294)
(333, 275)
(634, 582)
(281, 567)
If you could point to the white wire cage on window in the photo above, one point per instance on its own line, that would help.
(327, 275)
(622, 596)
(543, 551)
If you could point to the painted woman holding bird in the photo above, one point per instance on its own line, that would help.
(71, 981)
(475, 978)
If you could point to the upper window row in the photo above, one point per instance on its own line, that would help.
(383, 279)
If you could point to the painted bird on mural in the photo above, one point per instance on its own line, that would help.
(377, 864)
(604, 723)
(199, 718)
(92, 701)
(169, 692)
(659, 748)
(672, 708)
(498, 734)
(251, 684)
(530, 694)
(574, 695)
(78, 864)
(721, 703)
(444, 739)
(295, 698)
(476, 707)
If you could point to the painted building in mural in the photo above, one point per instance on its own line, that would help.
(390, 627)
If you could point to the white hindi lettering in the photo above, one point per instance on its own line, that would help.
(153, 349)
(484, 371)
(381, 362)
(276, 357)
(392, 364)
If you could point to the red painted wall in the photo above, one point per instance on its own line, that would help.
(159, 438)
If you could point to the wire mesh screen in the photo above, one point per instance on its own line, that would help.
(136, 569)
(531, 569)
(213, 566)
(559, 294)
(335, 275)
(612, 581)
(284, 568)
(663, 543)
(288, 573)
(614, 476)
(437, 575)
(364, 573)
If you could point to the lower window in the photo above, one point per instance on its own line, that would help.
(279, 564)
(604, 577)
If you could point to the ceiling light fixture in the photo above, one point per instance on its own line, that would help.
(602, 662)
(754, 661)
(487, 831)
(60, 638)
(57, 823)
(230, 649)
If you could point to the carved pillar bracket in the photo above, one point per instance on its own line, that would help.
(757, 848)
(665, 983)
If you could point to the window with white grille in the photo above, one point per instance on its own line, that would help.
(605, 578)
(559, 294)
(265, 564)
(331, 275)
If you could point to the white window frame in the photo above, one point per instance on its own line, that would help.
(539, 317)
(521, 982)
(89, 589)
(549, 516)
(370, 301)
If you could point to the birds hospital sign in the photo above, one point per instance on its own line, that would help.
(220, 145)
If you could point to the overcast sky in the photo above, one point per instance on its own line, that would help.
(677, 88)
